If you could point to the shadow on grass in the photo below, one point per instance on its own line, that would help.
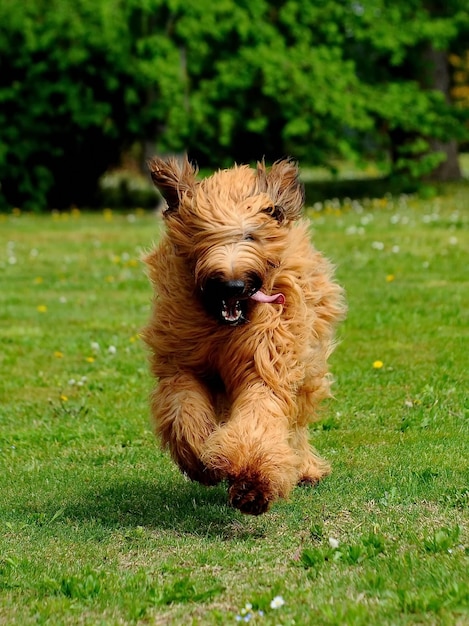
(318, 191)
(175, 505)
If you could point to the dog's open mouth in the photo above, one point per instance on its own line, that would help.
(233, 311)
(231, 301)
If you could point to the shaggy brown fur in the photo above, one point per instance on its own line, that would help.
(241, 330)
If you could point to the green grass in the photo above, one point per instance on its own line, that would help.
(98, 527)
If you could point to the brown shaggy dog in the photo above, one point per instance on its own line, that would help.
(241, 329)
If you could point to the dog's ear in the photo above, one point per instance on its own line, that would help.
(282, 184)
(174, 178)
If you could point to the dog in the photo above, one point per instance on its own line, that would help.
(241, 328)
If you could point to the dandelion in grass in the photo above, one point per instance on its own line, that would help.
(38, 280)
(90, 359)
(95, 346)
(333, 543)
(112, 350)
(58, 354)
(390, 278)
(378, 365)
(277, 602)
(42, 308)
(64, 398)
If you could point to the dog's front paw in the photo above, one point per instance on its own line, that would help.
(251, 494)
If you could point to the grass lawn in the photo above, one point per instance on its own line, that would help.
(99, 528)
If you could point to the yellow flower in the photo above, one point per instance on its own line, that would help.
(42, 308)
(64, 398)
(109, 279)
(38, 280)
(90, 359)
(107, 213)
(378, 365)
(58, 354)
(390, 278)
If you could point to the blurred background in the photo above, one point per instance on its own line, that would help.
(90, 89)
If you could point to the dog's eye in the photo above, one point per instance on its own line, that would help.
(276, 211)
(249, 237)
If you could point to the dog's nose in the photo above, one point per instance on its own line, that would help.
(233, 288)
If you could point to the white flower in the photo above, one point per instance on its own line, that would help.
(112, 349)
(277, 602)
(333, 543)
(377, 245)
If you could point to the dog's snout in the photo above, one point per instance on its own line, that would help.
(234, 288)
(225, 289)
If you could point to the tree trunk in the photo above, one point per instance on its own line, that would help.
(437, 77)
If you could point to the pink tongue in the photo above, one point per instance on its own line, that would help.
(278, 298)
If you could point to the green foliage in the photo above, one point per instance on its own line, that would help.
(82, 586)
(183, 590)
(442, 540)
(228, 81)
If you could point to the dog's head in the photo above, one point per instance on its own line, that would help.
(231, 228)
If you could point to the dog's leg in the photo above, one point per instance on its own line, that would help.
(183, 416)
(312, 467)
(252, 450)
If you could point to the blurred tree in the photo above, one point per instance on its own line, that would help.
(227, 80)
(64, 98)
(407, 45)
